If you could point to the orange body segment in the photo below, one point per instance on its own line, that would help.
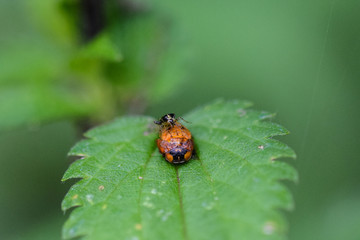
(175, 140)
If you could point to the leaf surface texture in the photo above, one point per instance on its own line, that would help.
(231, 190)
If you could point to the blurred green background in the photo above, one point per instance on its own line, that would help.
(68, 65)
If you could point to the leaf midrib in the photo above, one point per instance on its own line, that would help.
(181, 205)
(140, 191)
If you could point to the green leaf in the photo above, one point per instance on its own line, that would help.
(231, 191)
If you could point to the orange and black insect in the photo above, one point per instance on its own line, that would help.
(175, 141)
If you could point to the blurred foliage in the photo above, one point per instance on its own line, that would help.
(36, 84)
(297, 58)
(52, 67)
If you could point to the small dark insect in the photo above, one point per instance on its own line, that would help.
(174, 141)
